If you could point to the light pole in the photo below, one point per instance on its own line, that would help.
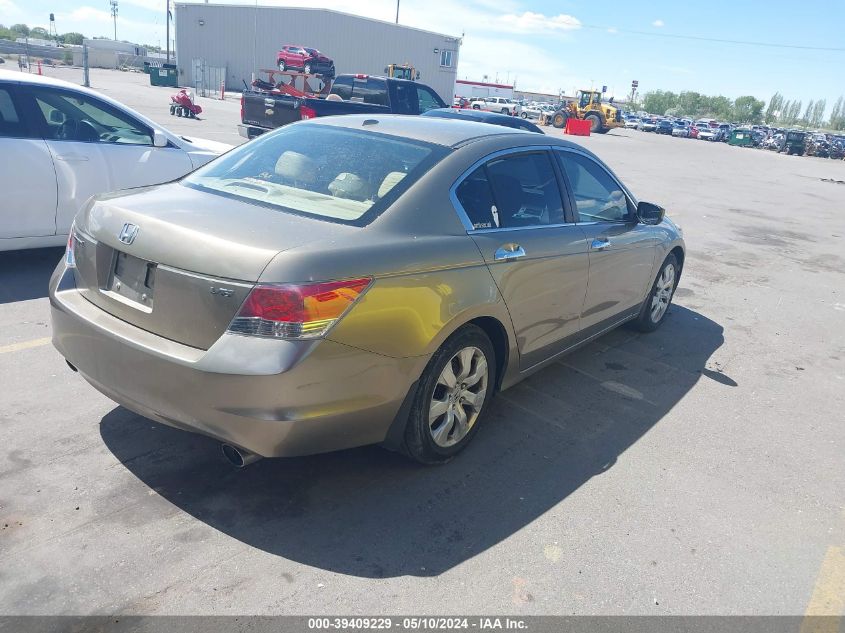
(397, 11)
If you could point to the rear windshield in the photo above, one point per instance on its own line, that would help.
(330, 173)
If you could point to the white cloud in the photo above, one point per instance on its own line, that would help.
(612, 30)
(536, 23)
(9, 9)
(658, 23)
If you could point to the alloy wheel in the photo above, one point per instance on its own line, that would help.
(458, 396)
(663, 290)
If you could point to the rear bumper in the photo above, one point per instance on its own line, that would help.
(274, 398)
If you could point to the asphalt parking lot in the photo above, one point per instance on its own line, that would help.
(696, 470)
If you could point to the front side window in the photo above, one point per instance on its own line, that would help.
(598, 197)
(320, 171)
(70, 116)
(512, 191)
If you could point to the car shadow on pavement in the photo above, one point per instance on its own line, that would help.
(25, 274)
(371, 513)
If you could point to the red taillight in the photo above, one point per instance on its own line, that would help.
(296, 311)
(307, 113)
(70, 255)
(359, 76)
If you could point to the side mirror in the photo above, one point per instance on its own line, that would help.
(650, 213)
(56, 116)
(418, 74)
(386, 70)
(159, 139)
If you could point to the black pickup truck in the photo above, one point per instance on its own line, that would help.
(355, 94)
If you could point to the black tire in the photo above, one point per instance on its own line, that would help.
(559, 120)
(595, 122)
(645, 321)
(281, 65)
(419, 443)
(179, 111)
(524, 115)
(172, 110)
(476, 107)
(505, 111)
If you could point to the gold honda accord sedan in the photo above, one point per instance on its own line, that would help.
(356, 280)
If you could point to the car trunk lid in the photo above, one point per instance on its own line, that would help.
(179, 262)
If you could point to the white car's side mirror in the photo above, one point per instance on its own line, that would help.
(159, 139)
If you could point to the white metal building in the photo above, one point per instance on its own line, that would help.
(242, 39)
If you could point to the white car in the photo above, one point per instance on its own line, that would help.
(632, 122)
(63, 143)
(496, 104)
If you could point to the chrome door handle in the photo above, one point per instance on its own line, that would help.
(508, 251)
(600, 244)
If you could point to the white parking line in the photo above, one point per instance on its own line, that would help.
(16, 347)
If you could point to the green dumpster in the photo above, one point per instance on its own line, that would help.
(167, 75)
(741, 136)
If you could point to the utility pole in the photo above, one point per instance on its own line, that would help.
(113, 5)
(167, 18)
(397, 11)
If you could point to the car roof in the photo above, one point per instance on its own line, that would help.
(484, 117)
(431, 129)
(29, 78)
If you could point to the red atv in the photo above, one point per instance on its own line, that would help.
(182, 104)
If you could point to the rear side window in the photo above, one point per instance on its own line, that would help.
(598, 197)
(337, 174)
(513, 191)
(342, 87)
(369, 90)
(10, 122)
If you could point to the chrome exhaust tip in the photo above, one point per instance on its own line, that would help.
(238, 457)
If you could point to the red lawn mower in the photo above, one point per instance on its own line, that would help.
(182, 104)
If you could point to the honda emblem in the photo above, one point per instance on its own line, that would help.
(128, 233)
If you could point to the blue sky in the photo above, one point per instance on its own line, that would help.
(550, 45)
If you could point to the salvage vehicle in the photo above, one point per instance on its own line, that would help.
(496, 104)
(707, 132)
(308, 60)
(647, 124)
(603, 116)
(632, 122)
(664, 127)
(837, 148)
(350, 94)
(290, 298)
(793, 142)
(818, 145)
(63, 143)
(681, 129)
(484, 117)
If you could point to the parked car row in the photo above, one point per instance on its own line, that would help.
(820, 144)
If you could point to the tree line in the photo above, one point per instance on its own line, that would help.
(746, 109)
(22, 30)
